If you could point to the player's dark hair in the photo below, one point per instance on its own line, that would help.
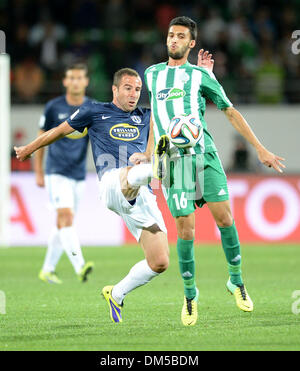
(123, 71)
(77, 66)
(186, 22)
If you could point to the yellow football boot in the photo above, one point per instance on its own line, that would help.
(85, 271)
(189, 313)
(160, 157)
(114, 307)
(49, 277)
(243, 300)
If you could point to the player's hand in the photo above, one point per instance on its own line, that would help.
(22, 153)
(204, 60)
(138, 158)
(40, 179)
(269, 159)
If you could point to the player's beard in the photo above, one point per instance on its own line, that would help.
(178, 54)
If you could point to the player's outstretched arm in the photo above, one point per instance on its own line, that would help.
(240, 124)
(38, 164)
(43, 140)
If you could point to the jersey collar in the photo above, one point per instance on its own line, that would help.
(186, 64)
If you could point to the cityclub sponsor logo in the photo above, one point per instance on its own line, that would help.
(125, 132)
(170, 94)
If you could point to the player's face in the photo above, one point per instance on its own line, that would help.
(127, 94)
(179, 42)
(75, 82)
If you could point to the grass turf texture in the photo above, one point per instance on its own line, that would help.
(73, 316)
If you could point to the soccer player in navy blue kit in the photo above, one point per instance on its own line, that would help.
(64, 175)
(120, 135)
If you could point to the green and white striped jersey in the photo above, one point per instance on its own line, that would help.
(182, 90)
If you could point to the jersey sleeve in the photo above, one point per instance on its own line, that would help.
(213, 90)
(81, 118)
(45, 122)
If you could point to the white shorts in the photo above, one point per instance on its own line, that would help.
(64, 192)
(143, 214)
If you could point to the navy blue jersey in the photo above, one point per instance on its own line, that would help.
(67, 156)
(114, 134)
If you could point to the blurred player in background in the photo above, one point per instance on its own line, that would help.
(193, 85)
(64, 175)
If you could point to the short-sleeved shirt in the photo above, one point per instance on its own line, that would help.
(114, 134)
(183, 90)
(67, 156)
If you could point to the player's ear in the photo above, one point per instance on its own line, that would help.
(114, 89)
(192, 44)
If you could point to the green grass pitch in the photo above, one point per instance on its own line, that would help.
(73, 316)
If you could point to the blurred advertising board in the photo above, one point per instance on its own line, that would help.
(265, 209)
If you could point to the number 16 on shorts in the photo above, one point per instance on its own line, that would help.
(180, 203)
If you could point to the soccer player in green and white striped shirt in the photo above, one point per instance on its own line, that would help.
(178, 87)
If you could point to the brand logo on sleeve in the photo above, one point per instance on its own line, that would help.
(125, 132)
(170, 94)
(74, 114)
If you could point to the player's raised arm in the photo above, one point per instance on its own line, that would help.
(50, 136)
(240, 124)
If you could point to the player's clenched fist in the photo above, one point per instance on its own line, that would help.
(22, 153)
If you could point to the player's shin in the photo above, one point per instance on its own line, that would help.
(231, 247)
(185, 251)
(140, 175)
(54, 252)
(70, 243)
(139, 275)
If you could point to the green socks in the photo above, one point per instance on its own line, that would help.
(231, 247)
(185, 251)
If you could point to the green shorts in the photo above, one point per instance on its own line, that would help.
(194, 180)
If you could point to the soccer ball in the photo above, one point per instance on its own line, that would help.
(185, 131)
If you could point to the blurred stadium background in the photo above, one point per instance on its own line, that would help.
(252, 45)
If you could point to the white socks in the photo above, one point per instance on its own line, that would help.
(64, 239)
(54, 252)
(139, 275)
(70, 243)
(140, 175)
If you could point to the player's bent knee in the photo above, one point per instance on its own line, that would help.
(64, 218)
(160, 265)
